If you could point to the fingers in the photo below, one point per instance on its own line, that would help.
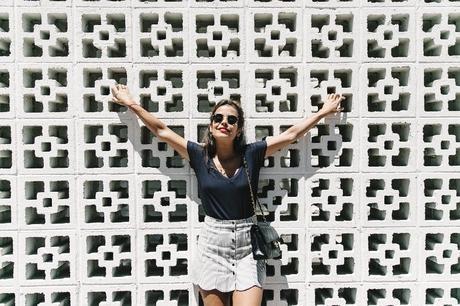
(335, 96)
(119, 87)
(338, 100)
(114, 90)
(334, 99)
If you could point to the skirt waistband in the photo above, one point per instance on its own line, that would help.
(228, 223)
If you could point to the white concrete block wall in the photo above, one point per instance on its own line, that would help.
(95, 211)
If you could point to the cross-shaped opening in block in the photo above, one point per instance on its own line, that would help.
(445, 144)
(106, 201)
(275, 35)
(331, 145)
(164, 201)
(108, 256)
(47, 257)
(218, 91)
(388, 199)
(161, 35)
(333, 254)
(166, 255)
(47, 202)
(331, 89)
(388, 144)
(389, 254)
(276, 90)
(445, 89)
(331, 200)
(444, 35)
(45, 90)
(45, 35)
(445, 199)
(162, 146)
(104, 35)
(332, 35)
(217, 35)
(388, 90)
(46, 146)
(105, 90)
(387, 35)
(105, 146)
(446, 253)
(277, 200)
(161, 91)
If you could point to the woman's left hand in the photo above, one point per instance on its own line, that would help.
(332, 104)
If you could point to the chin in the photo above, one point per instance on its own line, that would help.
(224, 137)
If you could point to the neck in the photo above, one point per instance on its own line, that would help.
(225, 150)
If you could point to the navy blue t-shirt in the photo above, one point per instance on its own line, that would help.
(222, 197)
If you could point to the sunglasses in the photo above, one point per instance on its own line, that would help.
(218, 118)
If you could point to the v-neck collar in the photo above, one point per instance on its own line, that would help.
(226, 177)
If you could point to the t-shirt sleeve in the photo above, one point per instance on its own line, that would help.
(195, 153)
(257, 152)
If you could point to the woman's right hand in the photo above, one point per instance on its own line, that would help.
(332, 104)
(121, 95)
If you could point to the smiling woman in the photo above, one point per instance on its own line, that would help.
(223, 266)
(226, 128)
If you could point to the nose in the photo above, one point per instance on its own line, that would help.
(224, 121)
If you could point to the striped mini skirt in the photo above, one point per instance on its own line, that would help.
(223, 258)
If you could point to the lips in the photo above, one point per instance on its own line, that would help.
(223, 130)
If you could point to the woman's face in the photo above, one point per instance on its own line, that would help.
(221, 125)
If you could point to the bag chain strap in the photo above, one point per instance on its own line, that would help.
(252, 198)
(252, 194)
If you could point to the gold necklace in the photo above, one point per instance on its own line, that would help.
(223, 172)
(221, 169)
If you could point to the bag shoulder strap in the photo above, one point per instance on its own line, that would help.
(252, 193)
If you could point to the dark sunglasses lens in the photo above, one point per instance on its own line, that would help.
(217, 118)
(232, 119)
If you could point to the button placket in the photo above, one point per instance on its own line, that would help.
(234, 246)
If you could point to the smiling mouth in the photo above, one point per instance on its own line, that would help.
(223, 130)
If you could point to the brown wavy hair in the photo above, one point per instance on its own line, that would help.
(239, 142)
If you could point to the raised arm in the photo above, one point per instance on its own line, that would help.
(122, 96)
(276, 143)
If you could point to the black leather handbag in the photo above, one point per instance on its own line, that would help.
(264, 238)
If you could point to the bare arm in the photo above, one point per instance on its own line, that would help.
(298, 130)
(156, 126)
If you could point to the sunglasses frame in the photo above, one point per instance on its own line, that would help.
(213, 118)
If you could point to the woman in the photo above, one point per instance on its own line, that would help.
(223, 267)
